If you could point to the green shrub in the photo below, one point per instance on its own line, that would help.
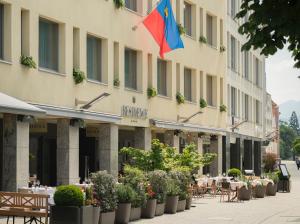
(151, 92)
(78, 76)
(202, 39)
(117, 82)
(222, 48)
(181, 29)
(27, 61)
(223, 108)
(119, 3)
(105, 190)
(182, 179)
(202, 103)
(234, 172)
(179, 98)
(273, 176)
(158, 181)
(68, 196)
(172, 187)
(125, 193)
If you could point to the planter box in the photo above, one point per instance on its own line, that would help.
(188, 203)
(123, 213)
(181, 205)
(271, 189)
(96, 215)
(244, 194)
(260, 191)
(160, 209)
(135, 214)
(149, 211)
(72, 215)
(171, 204)
(107, 217)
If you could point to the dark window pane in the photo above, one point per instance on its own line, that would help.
(130, 69)
(188, 84)
(1, 31)
(94, 58)
(131, 4)
(162, 77)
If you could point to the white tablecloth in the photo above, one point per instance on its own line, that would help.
(42, 190)
(235, 185)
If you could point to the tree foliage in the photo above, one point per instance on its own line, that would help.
(287, 137)
(296, 146)
(271, 25)
(294, 123)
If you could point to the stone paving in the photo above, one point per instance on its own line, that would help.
(283, 208)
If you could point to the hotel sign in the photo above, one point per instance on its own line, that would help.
(134, 112)
(39, 127)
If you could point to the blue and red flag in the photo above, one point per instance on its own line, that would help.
(163, 27)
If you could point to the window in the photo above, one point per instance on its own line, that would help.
(162, 77)
(257, 78)
(233, 101)
(188, 18)
(246, 64)
(1, 30)
(246, 107)
(209, 90)
(257, 107)
(48, 45)
(94, 58)
(233, 53)
(130, 69)
(233, 8)
(188, 84)
(209, 29)
(25, 42)
(131, 4)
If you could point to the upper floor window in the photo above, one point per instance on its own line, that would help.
(94, 58)
(233, 53)
(130, 69)
(188, 18)
(210, 90)
(131, 4)
(233, 8)
(1, 30)
(233, 101)
(162, 77)
(188, 84)
(246, 64)
(48, 44)
(246, 109)
(257, 73)
(258, 109)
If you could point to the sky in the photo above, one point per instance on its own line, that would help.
(282, 79)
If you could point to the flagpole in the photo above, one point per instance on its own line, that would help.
(134, 28)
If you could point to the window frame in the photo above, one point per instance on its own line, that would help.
(96, 44)
(209, 90)
(131, 5)
(188, 92)
(162, 79)
(210, 35)
(54, 41)
(233, 55)
(1, 32)
(188, 19)
(233, 93)
(132, 72)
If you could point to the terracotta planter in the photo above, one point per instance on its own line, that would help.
(149, 211)
(188, 203)
(181, 205)
(244, 194)
(123, 213)
(107, 217)
(171, 204)
(135, 214)
(260, 191)
(160, 209)
(271, 189)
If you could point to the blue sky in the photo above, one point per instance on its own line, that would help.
(282, 79)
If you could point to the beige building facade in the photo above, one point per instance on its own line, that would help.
(44, 125)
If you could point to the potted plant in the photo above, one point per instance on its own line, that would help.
(202, 103)
(223, 108)
(202, 39)
(272, 188)
(259, 190)
(234, 172)
(119, 3)
(222, 48)
(105, 190)
(158, 181)
(173, 191)
(181, 29)
(182, 176)
(69, 207)
(27, 61)
(149, 210)
(78, 76)
(116, 82)
(151, 92)
(179, 98)
(125, 196)
(92, 200)
(189, 198)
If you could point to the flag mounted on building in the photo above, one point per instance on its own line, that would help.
(163, 27)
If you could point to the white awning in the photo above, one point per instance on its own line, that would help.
(12, 105)
(170, 125)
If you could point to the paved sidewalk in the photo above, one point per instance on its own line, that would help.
(284, 208)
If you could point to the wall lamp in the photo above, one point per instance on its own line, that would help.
(89, 104)
(186, 119)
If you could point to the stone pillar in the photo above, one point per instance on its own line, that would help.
(228, 135)
(15, 157)
(200, 151)
(67, 153)
(108, 148)
(171, 139)
(142, 138)
(214, 148)
(220, 154)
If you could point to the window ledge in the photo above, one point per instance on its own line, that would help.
(190, 102)
(51, 72)
(212, 107)
(134, 12)
(96, 82)
(212, 47)
(5, 62)
(190, 37)
(133, 90)
(164, 97)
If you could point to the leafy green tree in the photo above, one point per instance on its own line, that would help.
(296, 146)
(269, 25)
(294, 124)
(287, 137)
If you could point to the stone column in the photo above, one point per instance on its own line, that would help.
(15, 157)
(108, 148)
(200, 151)
(214, 148)
(67, 153)
(171, 139)
(220, 154)
(228, 135)
(142, 138)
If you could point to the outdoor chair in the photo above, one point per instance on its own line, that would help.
(225, 191)
(212, 189)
